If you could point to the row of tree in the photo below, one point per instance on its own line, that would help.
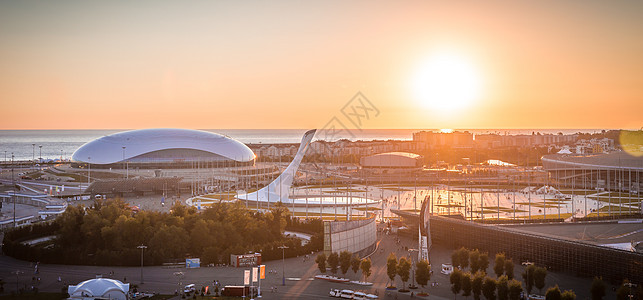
(108, 232)
(344, 261)
(402, 268)
(477, 282)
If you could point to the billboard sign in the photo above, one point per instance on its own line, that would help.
(191, 263)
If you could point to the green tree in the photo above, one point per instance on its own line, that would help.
(463, 258)
(623, 292)
(366, 268)
(404, 269)
(515, 288)
(321, 262)
(598, 288)
(345, 261)
(568, 295)
(455, 259)
(391, 267)
(499, 267)
(211, 255)
(422, 272)
(474, 261)
(476, 284)
(456, 282)
(365, 265)
(489, 288)
(509, 268)
(528, 277)
(553, 293)
(355, 262)
(466, 284)
(484, 262)
(502, 287)
(539, 278)
(333, 262)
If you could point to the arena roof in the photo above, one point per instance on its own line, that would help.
(109, 149)
(612, 161)
(392, 160)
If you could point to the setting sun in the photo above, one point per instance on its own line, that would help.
(446, 82)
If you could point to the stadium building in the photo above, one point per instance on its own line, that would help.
(616, 171)
(163, 148)
(392, 160)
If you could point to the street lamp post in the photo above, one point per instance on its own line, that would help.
(283, 264)
(124, 164)
(89, 169)
(33, 153)
(13, 196)
(17, 272)
(40, 159)
(142, 247)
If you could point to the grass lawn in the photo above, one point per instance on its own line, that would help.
(396, 189)
(617, 209)
(366, 209)
(539, 204)
(548, 216)
(623, 200)
(449, 205)
(578, 192)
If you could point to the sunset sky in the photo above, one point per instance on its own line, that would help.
(295, 64)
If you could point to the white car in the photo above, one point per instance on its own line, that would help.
(189, 288)
(334, 293)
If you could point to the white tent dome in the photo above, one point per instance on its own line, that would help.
(99, 287)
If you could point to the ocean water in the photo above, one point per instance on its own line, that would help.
(25, 144)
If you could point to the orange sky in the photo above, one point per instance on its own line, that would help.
(294, 64)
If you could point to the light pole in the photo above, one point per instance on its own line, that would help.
(17, 272)
(40, 159)
(124, 165)
(89, 169)
(283, 263)
(33, 153)
(13, 197)
(142, 247)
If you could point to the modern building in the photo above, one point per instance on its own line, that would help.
(393, 160)
(616, 171)
(163, 148)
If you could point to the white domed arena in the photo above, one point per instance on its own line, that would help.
(163, 148)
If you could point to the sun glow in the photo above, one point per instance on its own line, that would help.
(446, 82)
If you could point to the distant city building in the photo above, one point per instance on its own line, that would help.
(486, 141)
(430, 139)
(163, 148)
